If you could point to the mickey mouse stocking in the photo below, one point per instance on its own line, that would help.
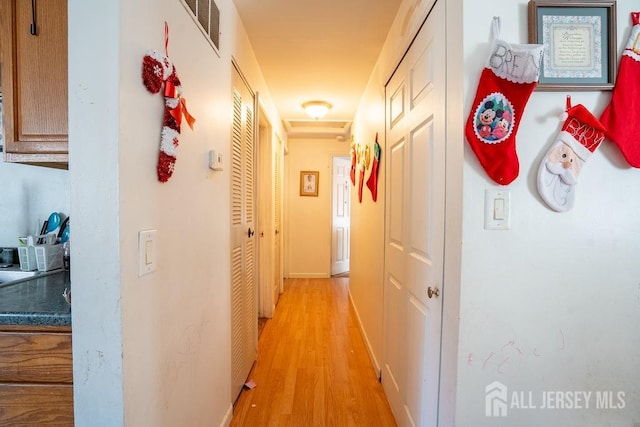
(506, 83)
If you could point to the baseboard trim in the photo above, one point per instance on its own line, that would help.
(372, 356)
(226, 421)
(309, 276)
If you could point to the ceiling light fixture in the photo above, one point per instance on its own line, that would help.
(316, 109)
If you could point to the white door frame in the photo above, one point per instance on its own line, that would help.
(265, 230)
(333, 219)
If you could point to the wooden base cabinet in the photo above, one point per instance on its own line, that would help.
(34, 81)
(36, 376)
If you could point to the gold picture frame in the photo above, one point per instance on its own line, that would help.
(580, 43)
(309, 183)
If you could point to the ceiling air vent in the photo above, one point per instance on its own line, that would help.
(206, 15)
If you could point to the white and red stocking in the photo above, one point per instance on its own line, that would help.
(507, 80)
(157, 70)
(558, 173)
(620, 118)
(372, 182)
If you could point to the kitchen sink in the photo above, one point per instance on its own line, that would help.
(9, 276)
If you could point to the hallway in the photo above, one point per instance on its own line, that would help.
(313, 367)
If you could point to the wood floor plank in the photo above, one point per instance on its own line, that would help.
(313, 368)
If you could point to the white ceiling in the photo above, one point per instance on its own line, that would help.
(317, 50)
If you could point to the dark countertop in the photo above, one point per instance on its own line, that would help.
(37, 301)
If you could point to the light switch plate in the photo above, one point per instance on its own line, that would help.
(497, 209)
(147, 249)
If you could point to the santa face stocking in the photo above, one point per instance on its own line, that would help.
(621, 115)
(505, 85)
(580, 136)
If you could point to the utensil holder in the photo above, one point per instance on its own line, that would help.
(48, 257)
(27, 256)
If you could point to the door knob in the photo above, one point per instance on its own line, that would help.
(250, 232)
(433, 292)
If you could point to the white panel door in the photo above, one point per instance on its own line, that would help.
(244, 313)
(341, 218)
(414, 232)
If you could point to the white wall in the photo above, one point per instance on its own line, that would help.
(367, 219)
(151, 350)
(553, 304)
(29, 194)
(308, 219)
(95, 211)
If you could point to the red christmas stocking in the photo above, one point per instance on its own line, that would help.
(505, 85)
(621, 115)
(372, 182)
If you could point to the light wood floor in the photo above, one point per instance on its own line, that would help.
(313, 368)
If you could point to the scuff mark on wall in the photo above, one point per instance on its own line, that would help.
(484, 365)
(186, 360)
(87, 362)
(502, 363)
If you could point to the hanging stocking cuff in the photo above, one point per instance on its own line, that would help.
(518, 63)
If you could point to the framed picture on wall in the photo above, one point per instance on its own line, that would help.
(309, 183)
(579, 39)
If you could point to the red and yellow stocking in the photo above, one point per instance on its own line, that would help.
(372, 182)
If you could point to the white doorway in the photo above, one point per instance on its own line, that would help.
(269, 189)
(340, 216)
(414, 226)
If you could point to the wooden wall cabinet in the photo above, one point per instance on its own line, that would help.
(36, 376)
(34, 81)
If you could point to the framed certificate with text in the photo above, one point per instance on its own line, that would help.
(579, 39)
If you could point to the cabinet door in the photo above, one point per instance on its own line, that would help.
(34, 80)
(35, 357)
(36, 405)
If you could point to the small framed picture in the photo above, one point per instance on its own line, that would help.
(309, 183)
(579, 41)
